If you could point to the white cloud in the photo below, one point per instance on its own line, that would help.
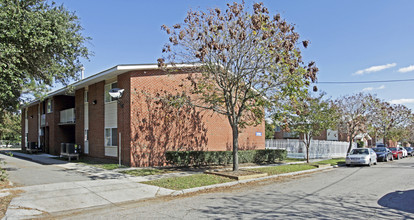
(402, 101)
(406, 69)
(373, 88)
(374, 69)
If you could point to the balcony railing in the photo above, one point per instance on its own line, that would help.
(67, 116)
(43, 120)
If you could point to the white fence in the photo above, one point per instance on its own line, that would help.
(318, 149)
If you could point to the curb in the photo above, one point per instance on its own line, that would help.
(201, 188)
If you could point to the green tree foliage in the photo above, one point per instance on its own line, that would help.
(40, 43)
(244, 58)
(270, 130)
(313, 115)
(10, 127)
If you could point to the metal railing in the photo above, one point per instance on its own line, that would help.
(67, 116)
(318, 149)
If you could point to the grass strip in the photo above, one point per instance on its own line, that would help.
(187, 182)
(284, 169)
(333, 162)
(146, 172)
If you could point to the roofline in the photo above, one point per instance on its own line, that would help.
(112, 72)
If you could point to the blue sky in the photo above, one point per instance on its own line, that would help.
(350, 40)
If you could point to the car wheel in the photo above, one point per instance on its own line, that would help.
(376, 161)
(348, 165)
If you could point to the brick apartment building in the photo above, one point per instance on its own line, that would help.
(138, 128)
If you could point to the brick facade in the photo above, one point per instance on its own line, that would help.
(96, 119)
(147, 126)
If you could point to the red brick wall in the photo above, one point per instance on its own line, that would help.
(96, 119)
(157, 128)
(124, 118)
(80, 117)
(33, 123)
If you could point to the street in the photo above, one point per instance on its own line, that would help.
(384, 191)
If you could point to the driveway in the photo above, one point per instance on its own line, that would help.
(27, 173)
(63, 186)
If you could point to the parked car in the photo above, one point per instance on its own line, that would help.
(396, 152)
(410, 151)
(404, 151)
(383, 154)
(382, 145)
(362, 156)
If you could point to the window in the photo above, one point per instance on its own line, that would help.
(108, 87)
(85, 96)
(49, 106)
(111, 137)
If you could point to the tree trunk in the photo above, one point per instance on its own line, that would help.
(235, 147)
(350, 145)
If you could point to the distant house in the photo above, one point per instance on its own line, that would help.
(327, 135)
(138, 128)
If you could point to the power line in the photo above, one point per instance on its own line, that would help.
(362, 82)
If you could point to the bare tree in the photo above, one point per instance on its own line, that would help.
(247, 61)
(353, 115)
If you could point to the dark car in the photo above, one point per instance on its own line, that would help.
(396, 152)
(410, 151)
(383, 154)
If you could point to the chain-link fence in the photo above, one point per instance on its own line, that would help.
(318, 149)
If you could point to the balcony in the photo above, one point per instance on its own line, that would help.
(67, 116)
(43, 120)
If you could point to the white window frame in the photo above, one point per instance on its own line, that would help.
(108, 87)
(49, 108)
(109, 139)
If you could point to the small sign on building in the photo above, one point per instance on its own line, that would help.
(259, 134)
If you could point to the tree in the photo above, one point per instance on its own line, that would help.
(388, 121)
(269, 130)
(352, 110)
(246, 61)
(40, 43)
(10, 127)
(313, 115)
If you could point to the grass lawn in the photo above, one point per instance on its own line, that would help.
(146, 172)
(187, 182)
(284, 169)
(333, 162)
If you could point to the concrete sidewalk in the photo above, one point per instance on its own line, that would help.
(106, 187)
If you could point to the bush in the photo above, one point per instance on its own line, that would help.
(199, 158)
(360, 144)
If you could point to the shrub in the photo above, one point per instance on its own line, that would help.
(199, 158)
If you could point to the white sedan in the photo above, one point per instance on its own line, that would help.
(364, 156)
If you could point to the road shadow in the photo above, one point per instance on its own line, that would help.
(399, 200)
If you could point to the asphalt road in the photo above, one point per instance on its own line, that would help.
(384, 191)
(27, 173)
